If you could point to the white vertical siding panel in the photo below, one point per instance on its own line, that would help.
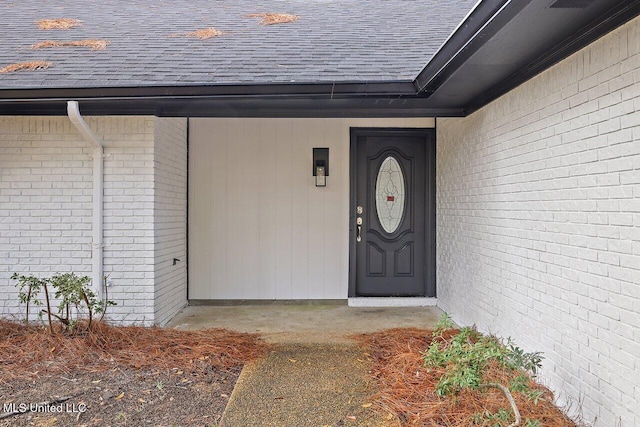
(236, 221)
(317, 214)
(339, 277)
(301, 172)
(218, 200)
(243, 223)
(199, 206)
(336, 213)
(284, 208)
(259, 228)
(266, 207)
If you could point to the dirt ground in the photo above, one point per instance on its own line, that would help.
(103, 375)
(121, 398)
(135, 376)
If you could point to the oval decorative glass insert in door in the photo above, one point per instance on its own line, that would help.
(389, 193)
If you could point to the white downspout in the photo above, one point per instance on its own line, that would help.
(98, 194)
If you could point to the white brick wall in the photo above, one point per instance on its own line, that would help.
(170, 217)
(45, 201)
(538, 204)
(128, 214)
(46, 207)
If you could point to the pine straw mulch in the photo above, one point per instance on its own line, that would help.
(203, 34)
(119, 375)
(26, 66)
(29, 351)
(58, 24)
(274, 18)
(408, 389)
(92, 44)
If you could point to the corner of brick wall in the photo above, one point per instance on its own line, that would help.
(538, 213)
(170, 218)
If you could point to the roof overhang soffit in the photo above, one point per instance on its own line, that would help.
(498, 46)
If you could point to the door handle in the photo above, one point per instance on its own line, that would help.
(359, 234)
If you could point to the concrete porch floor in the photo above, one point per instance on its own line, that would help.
(308, 323)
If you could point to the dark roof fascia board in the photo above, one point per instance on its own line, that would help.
(486, 19)
(239, 107)
(320, 90)
(336, 108)
(620, 14)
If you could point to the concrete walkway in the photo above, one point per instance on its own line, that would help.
(319, 323)
(315, 375)
(301, 385)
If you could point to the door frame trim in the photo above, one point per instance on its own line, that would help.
(430, 200)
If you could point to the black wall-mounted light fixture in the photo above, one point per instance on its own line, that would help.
(321, 166)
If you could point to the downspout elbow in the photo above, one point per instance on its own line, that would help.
(73, 111)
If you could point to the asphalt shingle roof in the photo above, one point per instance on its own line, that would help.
(333, 41)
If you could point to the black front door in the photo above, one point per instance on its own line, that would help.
(393, 212)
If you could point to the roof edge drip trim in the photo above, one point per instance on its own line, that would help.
(277, 90)
(486, 19)
(617, 16)
(238, 107)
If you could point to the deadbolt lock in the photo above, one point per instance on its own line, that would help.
(359, 210)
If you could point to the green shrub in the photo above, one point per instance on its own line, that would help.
(465, 356)
(467, 353)
(73, 292)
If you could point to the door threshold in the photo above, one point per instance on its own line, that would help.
(392, 302)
